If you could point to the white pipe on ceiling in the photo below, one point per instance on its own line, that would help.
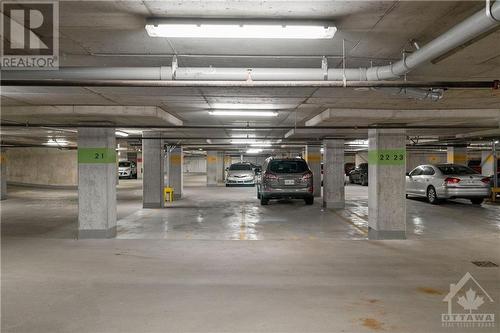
(463, 32)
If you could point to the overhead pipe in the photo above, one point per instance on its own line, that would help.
(471, 28)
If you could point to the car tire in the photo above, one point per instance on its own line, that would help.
(309, 201)
(477, 201)
(432, 195)
(351, 180)
(264, 201)
(258, 194)
(364, 181)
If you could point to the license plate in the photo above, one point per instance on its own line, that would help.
(289, 182)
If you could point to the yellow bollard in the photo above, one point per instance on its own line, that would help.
(170, 192)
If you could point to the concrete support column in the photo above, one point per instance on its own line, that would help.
(227, 164)
(122, 150)
(175, 177)
(96, 183)
(211, 168)
(3, 175)
(153, 154)
(457, 155)
(139, 165)
(333, 174)
(313, 157)
(487, 163)
(220, 167)
(386, 184)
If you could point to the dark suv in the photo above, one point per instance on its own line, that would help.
(359, 175)
(285, 178)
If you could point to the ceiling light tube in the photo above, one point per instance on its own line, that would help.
(254, 151)
(121, 134)
(221, 28)
(243, 113)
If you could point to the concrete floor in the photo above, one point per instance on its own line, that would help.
(306, 274)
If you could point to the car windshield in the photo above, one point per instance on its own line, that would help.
(124, 164)
(240, 167)
(455, 169)
(288, 166)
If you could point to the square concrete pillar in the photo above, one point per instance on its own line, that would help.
(227, 163)
(139, 165)
(487, 163)
(313, 157)
(212, 168)
(96, 183)
(386, 184)
(153, 177)
(220, 167)
(333, 174)
(175, 175)
(3, 175)
(457, 155)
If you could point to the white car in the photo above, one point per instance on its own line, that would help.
(240, 174)
(127, 169)
(447, 181)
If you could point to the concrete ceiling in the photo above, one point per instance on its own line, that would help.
(111, 33)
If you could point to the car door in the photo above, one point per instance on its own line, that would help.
(426, 178)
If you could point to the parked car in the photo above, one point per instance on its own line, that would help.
(127, 169)
(348, 167)
(359, 175)
(240, 174)
(475, 165)
(447, 181)
(285, 178)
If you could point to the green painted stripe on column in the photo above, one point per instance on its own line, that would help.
(96, 155)
(387, 157)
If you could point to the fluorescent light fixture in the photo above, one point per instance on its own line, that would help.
(57, 142)
(254, 151)
(243, 141)
(220, 28)
(244, 113)
(243, 135)
(121, 134)
(261, 144)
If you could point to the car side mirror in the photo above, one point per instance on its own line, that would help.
(408, 174)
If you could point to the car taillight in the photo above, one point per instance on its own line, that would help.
(270, 176)
(452, 180)
(486, 180)
(307, 176)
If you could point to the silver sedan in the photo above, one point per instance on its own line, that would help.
(447, 181)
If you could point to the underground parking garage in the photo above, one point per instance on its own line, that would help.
(242, 166)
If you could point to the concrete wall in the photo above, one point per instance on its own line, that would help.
(416, 158)
(195, 164)
(42, 166)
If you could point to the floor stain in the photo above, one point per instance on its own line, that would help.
(373, 301)
(373, 324)
(430, 291)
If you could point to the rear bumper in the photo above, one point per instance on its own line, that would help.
(463, 192)
(297, 193)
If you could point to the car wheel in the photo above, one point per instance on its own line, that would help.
(351, 180)
(258, 194)
(263, 201)
(477, 201)
(309, 201)
(432, 195)
(364, 181)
